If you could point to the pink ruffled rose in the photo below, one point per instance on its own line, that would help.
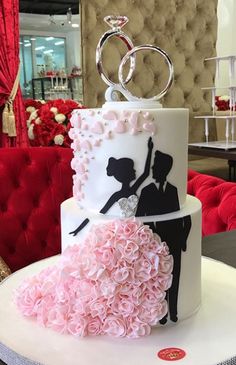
(129, 250)
(77, 325)
(143, 269)
(166, 264)
(108, 288)
(152, 315)
(57, 318)
(121, 275)
(43, 309)
(114, 326)
(164, 281)
(123, 306)
(136, 295)
(81, 307)
(98, 308)
(106, 257)
(137, 328)
(152, 298)
(145, 234)
(163, 248)
(28, 299)
(94, 327)
(128, 227)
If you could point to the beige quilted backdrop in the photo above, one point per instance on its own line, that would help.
(185, 29)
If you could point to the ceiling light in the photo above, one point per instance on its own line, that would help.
(69, 16)
(39, 48)
(20, 42)
(49, 38)
(27, 45)
(58, 43)
(26, 40)
(48, 51)
(75, 25)
(33, 39)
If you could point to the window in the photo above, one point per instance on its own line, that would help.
(40, 56)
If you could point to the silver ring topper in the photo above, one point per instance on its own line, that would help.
(116, 23)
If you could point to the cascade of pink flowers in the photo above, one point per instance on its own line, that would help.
(112, 283)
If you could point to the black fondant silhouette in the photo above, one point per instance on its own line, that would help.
(175, 233)
(160, 198)
(123, 171)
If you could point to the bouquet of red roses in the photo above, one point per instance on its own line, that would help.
(49, 122)
(222, 102)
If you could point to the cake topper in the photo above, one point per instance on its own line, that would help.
(116, 23)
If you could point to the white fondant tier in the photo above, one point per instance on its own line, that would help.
(189, 296)
(122, 130)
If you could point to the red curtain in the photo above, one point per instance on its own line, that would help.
(9, 64)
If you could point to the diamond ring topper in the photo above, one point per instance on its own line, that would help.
(116, 23)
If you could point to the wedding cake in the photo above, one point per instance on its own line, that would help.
(131, 236)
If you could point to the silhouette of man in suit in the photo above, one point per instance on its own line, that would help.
(161, 197)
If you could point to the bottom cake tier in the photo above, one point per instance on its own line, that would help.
(182, 233)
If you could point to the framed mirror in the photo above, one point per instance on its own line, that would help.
(50, 50)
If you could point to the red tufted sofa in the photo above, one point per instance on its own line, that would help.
(34, 182)
(218, 199)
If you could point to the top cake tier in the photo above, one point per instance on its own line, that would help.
(130, 158)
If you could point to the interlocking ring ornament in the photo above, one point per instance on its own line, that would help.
(117, 22)
(152, 48)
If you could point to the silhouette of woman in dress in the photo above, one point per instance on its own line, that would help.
(123, 171)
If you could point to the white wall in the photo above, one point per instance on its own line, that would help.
(226, 40)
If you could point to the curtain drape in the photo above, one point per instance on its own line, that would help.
(9, 64)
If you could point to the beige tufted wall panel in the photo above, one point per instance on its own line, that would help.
(185, 29)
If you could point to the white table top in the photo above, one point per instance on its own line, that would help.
(208, 337)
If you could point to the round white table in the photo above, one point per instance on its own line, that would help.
(208, 337)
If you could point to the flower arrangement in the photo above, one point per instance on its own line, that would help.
(222, 102)
(112, 283)
(49, 122)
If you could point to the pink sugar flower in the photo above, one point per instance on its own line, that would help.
(114, 326)
(77, 325)
(137, 328)
(95, 327)
(113, 282)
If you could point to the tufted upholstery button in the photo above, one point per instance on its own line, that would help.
(36, 203)
(58, 159)
(16, 185)
(24, 226)
(3, 207)
(44, 244)
(27, 159)
(12, 250)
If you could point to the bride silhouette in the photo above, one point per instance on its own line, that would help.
(123, 171)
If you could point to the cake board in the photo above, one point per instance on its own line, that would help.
(208, 337)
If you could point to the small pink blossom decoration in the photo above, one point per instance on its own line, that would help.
(112, 283)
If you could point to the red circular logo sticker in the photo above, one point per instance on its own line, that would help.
(171, 354)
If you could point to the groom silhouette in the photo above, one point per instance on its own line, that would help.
(160, 198)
